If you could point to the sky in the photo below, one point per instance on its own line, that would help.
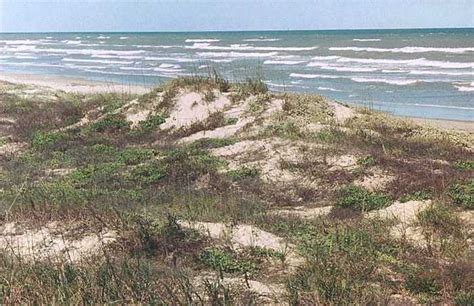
(230, 15)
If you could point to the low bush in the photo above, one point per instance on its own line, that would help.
(462, 194)
(358, 198)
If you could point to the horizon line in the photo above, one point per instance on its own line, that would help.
(236, 31)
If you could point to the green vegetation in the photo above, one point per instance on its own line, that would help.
(463, 194)
(243, 173)
(358, 198)
(464, 165)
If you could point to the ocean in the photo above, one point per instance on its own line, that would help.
(421, 73)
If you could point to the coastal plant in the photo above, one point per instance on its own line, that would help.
(111, 123)
(360, 199)
(462, 194)
(243, 173)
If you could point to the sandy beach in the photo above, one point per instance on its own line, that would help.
(70, 84)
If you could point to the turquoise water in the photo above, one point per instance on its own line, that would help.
(424, 73)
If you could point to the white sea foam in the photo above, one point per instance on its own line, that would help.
(348, 69)
(123, 37)
(245, 47)
(172, 59)
(168, 66)
(21, 41)
(420, 62)
(366, 39)
(71, 42)
(404, 49)
(95, 61)
(400, 82)
(272, 62)
(103, 37)
(136, 68)
(117, 56)
(314, 76)
(83, 67)
(201, 40)
(324, 58)
(225, 60)
(464, 88)
(261, 39)
(237, 54)
(441, 72)
(328, 89)
(26, 57)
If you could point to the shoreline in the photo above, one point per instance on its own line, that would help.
(84, 86)
(71, 84)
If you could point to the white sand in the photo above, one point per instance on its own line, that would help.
(70, 84)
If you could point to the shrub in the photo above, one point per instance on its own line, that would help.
(464, 165)
(152, 122)
(111, 123)
(231, 120)
(361, 199)
(212, 143)
(416, 196)
(44, 140)
(133, 156)
(223, 261)
(463, 194)
(243, 173)
(366, 161)
(147, 174)
(443, 230)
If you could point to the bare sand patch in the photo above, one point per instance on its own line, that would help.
(190, 107)
(52, 242)
(377, 180)
(246, 236)
(304, 212)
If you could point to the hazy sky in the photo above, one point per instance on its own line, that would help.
(221, 15)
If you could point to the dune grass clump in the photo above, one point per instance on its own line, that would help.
(462, 194)
(360, 199)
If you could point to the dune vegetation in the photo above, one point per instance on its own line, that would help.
(209, 192)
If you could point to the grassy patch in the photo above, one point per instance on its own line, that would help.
(243, 173)
(360, 199)
(111, 123)
(462, 194)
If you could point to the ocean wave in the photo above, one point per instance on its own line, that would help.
(261, 39)
(83, 67)
(328, 89)
(348, 69)
(22, 41)
(117, 56)
(25, 57)
(172, 59)
(465, 87)
(420, 62)
(386, 81)
(245, 47)
(71, 42)
(328, 58)
(225, 60)
(136, 68)
(172, 66)
(314, 76)
(366, 39)
(95, 61)
(441, 72)
(123, 37)
(201, 40)
(103, 37)
(237, 54)
(273, 62)
(404, 49)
